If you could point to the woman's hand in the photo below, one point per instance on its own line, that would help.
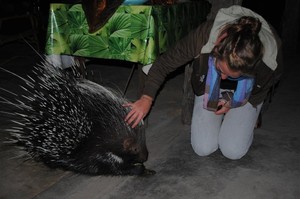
(222, 108)
(139, 110)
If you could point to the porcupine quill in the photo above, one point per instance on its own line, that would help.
(74, 124)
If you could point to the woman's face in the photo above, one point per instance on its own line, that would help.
(224, 70)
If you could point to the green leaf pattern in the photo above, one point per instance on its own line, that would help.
(135, 33)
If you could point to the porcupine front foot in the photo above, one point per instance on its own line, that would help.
(139, 169)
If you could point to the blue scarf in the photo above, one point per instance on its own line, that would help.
(212, 89)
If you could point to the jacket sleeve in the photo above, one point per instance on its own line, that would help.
(184, 51)
(266, 79)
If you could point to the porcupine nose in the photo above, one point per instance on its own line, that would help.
(141, 143)
(143, 156)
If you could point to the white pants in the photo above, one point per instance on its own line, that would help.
(232, 132)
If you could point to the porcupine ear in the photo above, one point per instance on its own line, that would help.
(128, 144)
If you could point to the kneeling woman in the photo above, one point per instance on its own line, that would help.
(236, 63)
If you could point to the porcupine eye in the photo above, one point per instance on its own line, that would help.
(134, 149)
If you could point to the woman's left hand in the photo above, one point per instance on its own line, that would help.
(223, 108)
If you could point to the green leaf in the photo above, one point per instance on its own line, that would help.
(140, 9)
(79, 44)
(98, 46)
(137, 50)
(77, 23)
(151, 52)
(76, 8)
(139, 25)
(119, 47)
(59, 6)
(134, 9)
(57, 44)
(59, 21)
(119, 25)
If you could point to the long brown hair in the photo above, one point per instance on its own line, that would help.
(239, 44)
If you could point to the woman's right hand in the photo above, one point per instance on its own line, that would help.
(139, 110)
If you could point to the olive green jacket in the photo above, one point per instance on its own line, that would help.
(187, 50)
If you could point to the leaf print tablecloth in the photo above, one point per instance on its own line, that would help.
(135, 33)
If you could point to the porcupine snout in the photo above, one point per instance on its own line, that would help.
(142, 146)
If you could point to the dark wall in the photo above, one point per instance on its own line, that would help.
(270, 10)
(291, 26)
(283, 15)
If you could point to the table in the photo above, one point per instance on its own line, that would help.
(134, 33)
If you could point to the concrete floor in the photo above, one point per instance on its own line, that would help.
(271, 169)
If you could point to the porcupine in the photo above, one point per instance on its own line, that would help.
(77, 125)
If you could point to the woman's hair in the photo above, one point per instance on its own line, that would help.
(239, 44)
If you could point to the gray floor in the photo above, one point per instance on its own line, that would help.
(271, 169)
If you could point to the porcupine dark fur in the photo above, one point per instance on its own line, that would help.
(76, 125)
